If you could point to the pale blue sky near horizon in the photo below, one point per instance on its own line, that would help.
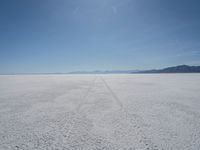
(44, 36)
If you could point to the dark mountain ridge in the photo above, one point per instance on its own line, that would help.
(175, 69)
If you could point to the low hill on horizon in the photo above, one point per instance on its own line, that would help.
(174, 69)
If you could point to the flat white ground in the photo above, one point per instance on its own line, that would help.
(86, 112)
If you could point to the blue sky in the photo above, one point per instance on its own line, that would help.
(38, 36)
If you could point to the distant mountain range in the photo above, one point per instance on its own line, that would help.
(175, 69)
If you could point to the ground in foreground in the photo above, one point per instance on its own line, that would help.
(142, 112)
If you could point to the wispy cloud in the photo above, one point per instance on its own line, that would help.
(114, 9)
(76, 10)
(119, 4)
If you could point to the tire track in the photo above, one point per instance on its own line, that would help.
(86, 94)
(77, 109)
(136, 123)
(113, 94)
